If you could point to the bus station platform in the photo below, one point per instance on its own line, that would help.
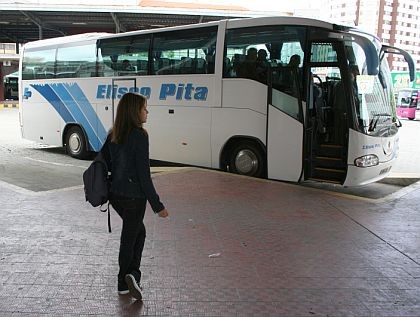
(9, 104)
(232, 246)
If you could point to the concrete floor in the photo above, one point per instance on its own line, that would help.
(233, 246)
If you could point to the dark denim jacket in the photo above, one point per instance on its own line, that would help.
(131, 169)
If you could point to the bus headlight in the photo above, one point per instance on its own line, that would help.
(367, 161)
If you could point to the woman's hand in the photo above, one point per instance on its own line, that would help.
(163, 213)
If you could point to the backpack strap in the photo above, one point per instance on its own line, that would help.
(109, 219)
(106, 152)
(109, 215)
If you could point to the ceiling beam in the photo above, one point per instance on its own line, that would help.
(119, 27)
(12, 38)
(41, 25)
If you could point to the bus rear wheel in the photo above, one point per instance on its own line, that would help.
(246, 159)
(76, 143)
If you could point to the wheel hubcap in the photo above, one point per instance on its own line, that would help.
(246, 162)
(75, 143)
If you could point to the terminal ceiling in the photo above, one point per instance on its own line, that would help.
(17, 26)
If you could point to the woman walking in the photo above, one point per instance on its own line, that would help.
(131, 187)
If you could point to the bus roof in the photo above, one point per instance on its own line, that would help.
(231, 23)
(65, 39)
(244, 22)
(283, 20)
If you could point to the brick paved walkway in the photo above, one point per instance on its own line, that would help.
(278, 250)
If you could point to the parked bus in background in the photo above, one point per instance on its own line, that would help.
(285, 98)
(11, 86)
(408, 104)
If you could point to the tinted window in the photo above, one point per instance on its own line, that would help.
(323, 52)
(249, 52)
(185, 52)
(38, 64)
(124, 56)
(261, 53)
(76, 61)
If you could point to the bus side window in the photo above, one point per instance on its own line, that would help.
(38, 64)
(125, 56)
(210, 64)
(185, 52)
(238, 59)
(28, 73)
(163, 66)
(186, 66)
(200, 65)
(142, 66)
(254, 51)
(76, 61)
(227, 67)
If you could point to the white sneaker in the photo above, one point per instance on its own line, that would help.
(133, 287)
(123, 292)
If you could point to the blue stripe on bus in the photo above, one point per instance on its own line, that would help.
(88, 110)
(47, 92)
(72, 105)
(76, 112)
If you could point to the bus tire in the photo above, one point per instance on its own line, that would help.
(410, 118)
(246, 159)
(76, 143)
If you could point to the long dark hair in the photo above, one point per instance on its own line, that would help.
(128, 117)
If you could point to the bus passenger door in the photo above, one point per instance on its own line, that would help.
(107, 97)
(284, 125)
(328, 113)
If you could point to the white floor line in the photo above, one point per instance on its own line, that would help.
(54, 163)
(28, 192)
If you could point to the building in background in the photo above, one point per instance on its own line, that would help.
(396, 22)
(7, 48)
(9, 63)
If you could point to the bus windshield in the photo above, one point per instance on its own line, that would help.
(373, 94)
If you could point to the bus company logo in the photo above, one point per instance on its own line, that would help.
(167, 91)
(388, 146)
(27, 93)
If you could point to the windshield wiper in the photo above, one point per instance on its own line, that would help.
(373, 122)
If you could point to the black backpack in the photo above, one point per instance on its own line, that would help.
(97, 181)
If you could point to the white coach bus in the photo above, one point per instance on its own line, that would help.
(284, 98)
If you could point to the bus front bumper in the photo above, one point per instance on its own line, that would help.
(357, 176)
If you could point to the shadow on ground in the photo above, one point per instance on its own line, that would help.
(377, 190)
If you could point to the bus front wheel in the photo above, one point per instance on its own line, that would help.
(76, 143)
(246, 159)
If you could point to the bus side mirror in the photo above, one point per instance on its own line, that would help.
(372, 57)
(405, 54)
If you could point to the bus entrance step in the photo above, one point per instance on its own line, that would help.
(329, 162)
(323, 180)
(329, 150)
(331, 174)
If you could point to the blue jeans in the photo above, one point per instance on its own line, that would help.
(133, 234)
